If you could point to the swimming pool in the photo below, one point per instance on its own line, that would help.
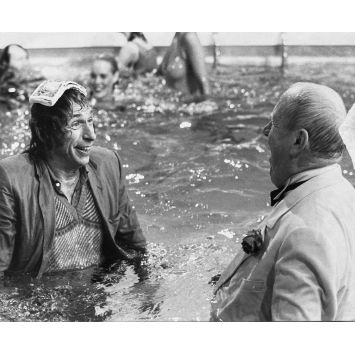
(198, 177)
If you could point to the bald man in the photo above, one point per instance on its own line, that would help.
(300, 264)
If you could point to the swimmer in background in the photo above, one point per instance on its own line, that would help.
(103, 79)
(15, 72)
(183, 66)
(137, 56)
(13, 57)
(13, 61)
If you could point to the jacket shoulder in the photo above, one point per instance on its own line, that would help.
(100, 155)
(104, 159)
(19, 164)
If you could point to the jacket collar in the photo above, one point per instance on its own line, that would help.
(91, 169)
(39, 167)
(317, 179)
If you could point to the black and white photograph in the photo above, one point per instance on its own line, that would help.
(177, 177)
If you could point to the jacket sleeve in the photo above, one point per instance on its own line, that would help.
(304, 288)
(7, 221)
(129, 232)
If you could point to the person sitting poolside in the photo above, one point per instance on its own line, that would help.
(13, 61)
(183, 66)
(63, 202)
(13, 56)
(103, 78)
(300, 264)
(138, 55)
(15, 72)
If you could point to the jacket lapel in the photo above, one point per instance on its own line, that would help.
(231, 268)
(97, 191)
(96, 188)
(238, 260)
(47, 208)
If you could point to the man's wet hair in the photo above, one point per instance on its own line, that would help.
(47, 124)
(318, 109)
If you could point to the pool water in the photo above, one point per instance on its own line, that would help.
(198, 175)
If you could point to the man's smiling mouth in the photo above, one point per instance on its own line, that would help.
(85, 149)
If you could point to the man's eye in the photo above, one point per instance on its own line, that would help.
(75, 124)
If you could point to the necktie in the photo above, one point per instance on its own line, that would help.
(290, 187)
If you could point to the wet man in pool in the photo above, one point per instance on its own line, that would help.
(300, 264)
(63, 202)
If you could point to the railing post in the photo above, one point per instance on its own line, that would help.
(215, 50)
(283, 52)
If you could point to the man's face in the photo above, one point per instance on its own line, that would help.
(279, 140)
(79, 137)
(102, 79)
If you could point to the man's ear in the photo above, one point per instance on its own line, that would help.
(300, 143)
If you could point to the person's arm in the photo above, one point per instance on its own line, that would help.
(129, 232)
(164, 63)
(128, 55)
(195, 56)
(7, 221)
(304, 273)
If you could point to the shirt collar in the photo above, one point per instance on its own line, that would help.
(304, 176)
(316, 180)
(56, 183)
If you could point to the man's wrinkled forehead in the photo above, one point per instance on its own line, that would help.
(82, 111)
(279, 112)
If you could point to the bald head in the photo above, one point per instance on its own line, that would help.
(317, 109)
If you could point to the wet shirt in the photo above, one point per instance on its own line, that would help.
(78, 232)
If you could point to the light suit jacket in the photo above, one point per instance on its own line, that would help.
(306, 267)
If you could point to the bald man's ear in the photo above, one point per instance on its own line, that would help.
(300, 143)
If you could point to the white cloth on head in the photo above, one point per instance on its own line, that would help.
(50, 91)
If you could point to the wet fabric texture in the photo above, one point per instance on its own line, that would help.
(78, 233)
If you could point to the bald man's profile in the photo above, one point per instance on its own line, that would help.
(299, 265)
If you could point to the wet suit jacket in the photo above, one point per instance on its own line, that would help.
(27, 212)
